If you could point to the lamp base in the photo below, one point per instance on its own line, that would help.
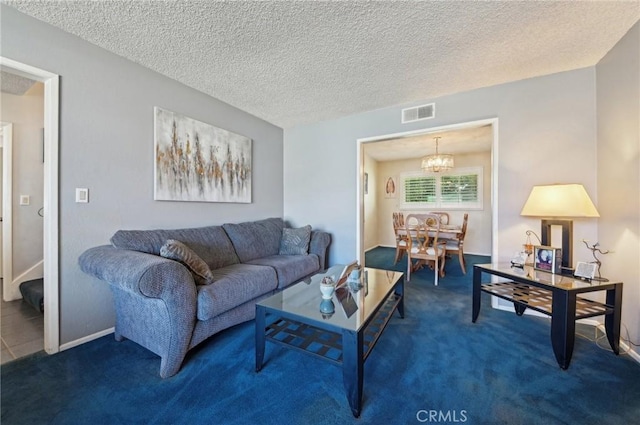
(567, 238)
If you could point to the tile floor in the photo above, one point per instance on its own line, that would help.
(21, 330)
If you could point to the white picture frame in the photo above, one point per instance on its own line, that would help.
(585, 270)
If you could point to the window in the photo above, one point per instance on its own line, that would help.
(460, 188)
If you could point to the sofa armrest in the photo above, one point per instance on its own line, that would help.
(155, 300)
(319, 245)
(140, 273)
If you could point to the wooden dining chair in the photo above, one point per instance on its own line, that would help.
(444, 216)
(423, 245)
(401, 235)
(455, 246)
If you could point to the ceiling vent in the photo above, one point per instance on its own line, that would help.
(418, 113)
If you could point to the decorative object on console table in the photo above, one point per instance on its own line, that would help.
(528, 245)
(594, 248)
(521, 258)
(327, 287)
(195, 161)
(547, 258)
(327, 308)
(354, 280)
(556, 204)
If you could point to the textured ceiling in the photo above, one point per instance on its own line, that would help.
(14, 84)
(298, 62)
(474, 139)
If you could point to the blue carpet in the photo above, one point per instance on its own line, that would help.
(433, 366)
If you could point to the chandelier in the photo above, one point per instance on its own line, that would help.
(438, 162)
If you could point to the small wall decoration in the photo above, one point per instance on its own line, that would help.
(390, 188)
(195, 161)
(366, 183)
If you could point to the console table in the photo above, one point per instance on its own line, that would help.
(554, 295)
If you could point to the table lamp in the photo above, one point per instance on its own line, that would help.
(557, 204)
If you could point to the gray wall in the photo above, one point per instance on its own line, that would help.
(27, 115)
(546, 134)
(106, 145)
(618, 94)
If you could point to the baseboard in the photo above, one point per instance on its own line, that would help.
(624, 347)
(86, 339)
(374, 247)
(34, 272)
(630, 351)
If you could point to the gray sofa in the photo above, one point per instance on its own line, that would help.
(170, 306)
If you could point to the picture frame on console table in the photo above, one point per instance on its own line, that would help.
(547, 258)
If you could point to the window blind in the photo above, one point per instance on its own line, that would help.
(421, 189)
(458, 189)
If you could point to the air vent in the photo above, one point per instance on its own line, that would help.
(418, 113)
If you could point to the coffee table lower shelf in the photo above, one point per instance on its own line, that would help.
(327, 344)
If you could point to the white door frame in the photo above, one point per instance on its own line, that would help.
(494, 177)
(7, 210)
(51, 198)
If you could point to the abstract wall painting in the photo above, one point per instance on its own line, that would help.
(198, 162)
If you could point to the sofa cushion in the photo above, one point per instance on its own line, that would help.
(295, 241)
(290, 268)
(234, 285)
(176, 250)
(210, 243)
(255, 239)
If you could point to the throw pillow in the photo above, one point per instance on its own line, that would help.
(295, 241)
(176, 250)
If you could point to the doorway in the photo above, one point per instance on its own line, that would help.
(50, 197)
(401, 139)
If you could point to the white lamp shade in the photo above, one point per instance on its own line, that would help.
(559, 200)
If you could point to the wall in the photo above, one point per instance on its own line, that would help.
(546, 134)
(106, 145)
(373, 225)
(478, 237)
(618, 167)
(27, 115)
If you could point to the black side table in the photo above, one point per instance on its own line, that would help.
(556, 296)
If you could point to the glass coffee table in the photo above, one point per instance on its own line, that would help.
(300, 319)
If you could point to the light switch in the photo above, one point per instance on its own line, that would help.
(25, 199)
(82, 195)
